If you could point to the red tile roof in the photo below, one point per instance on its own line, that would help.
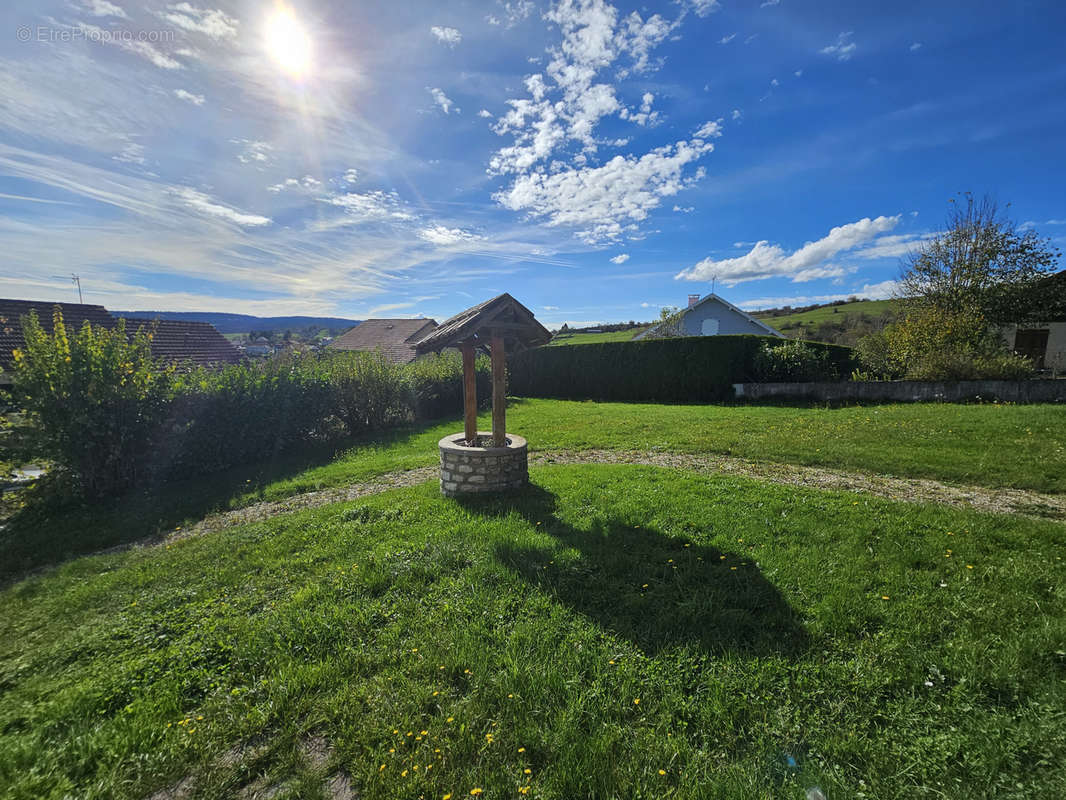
(394, 338)
(74, 315)
(174, 341)
(182, 342)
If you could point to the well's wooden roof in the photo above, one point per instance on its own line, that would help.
(503, 314)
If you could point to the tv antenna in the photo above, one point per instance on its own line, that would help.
(76, 280)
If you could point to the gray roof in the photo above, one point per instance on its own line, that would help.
(727, 304)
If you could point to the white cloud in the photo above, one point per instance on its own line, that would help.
(604, 203)
(727, 39)
(189, 97)
(94, 33)
(775, 82)
(594, 38)
(205, 204)
(373, 206)
(102, 8)
(798, 73)
(350, 176)
(550, 308)
(514, 11)
(892, 246)
(442, 100)
(684, 209)
(213, 23)
(916, 46)
(645, 117)
(767, 260)
(441, 235)
(767, 3)
(132, 153)
(843, 49)
(737, 115)
(704, 7)
(305, 184)
(621, 258)
(485, 113)
(254, 152)
(448, 36)
(870, 291)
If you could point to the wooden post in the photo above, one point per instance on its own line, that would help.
(499, 391)
(469, 392)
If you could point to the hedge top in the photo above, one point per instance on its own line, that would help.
(502, 314)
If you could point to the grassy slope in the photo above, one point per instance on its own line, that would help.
(595, 338)
(900, 651)
(990, 445)
(812, 318)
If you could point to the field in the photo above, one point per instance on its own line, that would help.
(614, 631)
(810, 318)
(594, 338)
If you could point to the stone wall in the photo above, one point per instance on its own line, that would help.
(472, 470)
(1036, 391)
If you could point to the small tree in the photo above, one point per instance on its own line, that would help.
(96, 400)
(980, 266)
(958, 290)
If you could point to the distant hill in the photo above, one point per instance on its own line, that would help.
(242, 323)
(836, 323)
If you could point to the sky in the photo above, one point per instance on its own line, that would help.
(597, 161)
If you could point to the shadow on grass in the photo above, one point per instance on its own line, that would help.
(47, 530)
(656, 591)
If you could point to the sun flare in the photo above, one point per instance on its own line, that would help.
(288, 42)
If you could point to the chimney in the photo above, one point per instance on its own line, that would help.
(693, 299)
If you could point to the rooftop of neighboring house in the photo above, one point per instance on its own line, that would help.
(182, 342)
(12, 312)
(394, 338)
(174, 340)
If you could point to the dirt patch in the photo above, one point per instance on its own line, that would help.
(911, 490)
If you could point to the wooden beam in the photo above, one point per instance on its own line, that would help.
(469, 391)
(499, 392)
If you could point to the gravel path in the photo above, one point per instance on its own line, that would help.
(914, 490)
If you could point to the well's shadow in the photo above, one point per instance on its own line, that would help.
(655, 590)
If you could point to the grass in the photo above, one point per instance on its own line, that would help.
(776, 639)
(986, 445)
(810, 319)
(596, 338)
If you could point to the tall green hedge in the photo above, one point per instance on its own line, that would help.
(685, 369)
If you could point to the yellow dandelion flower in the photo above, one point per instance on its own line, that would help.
(447, 796)
(969, 566)
(527, 771)
(381, 768)
(424, 732)
(477, 790)
(510, 696)
(662, 772)
(636, 701)
(521, 749)
(403, 774)
(451, 719)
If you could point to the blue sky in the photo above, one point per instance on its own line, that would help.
(596, 161)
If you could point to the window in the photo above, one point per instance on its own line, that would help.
(1032, 344)
(710, 327)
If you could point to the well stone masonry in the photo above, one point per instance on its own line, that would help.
(474, 470)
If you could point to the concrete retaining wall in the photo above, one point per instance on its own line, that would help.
(473, 470)
(1047, 391)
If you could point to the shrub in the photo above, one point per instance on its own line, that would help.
(686, 369)
(96, 399)
(437, 384)
(793, 361)
(369, 392)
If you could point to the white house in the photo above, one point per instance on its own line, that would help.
(710, 316)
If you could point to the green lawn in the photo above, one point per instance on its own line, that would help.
(612, 632)
(987, 445)
(596, 338)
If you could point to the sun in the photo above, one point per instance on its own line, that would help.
(288, 42)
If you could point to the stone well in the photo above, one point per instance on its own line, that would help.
(470, 470)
